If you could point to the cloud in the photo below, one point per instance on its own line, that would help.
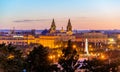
(43, 20)
(28, 20)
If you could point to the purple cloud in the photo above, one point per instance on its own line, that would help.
(28, 20)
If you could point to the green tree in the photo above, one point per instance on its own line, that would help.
(69, 58)
(10, 59)
(38, 60)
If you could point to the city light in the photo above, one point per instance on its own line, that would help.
(111, 41)
(74, 46)
(83, 36)
(17, 36)
(58, 55)
(51, 57)
(10, 56)
(102, 57)
(56, 46)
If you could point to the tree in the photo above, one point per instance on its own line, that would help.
(92, 65)
(96, 65)
(10, 58)
(69, 58)
(38, 60)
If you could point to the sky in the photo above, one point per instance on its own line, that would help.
(38, 14)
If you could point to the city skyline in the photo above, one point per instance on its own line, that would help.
(38, 14)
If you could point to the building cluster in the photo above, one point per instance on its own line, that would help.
(53, 38)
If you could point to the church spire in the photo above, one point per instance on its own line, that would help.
(53, 26)
(69, 26)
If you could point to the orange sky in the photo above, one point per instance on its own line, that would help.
(77, 23)
(38, 14)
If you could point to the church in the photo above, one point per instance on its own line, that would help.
(53, 31)
(53, 38)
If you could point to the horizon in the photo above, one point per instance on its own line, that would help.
(65, 29)
(38, 14)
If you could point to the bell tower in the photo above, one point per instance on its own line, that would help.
(53, 27)
(69, 27)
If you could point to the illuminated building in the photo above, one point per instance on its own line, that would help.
(56, 39)
(17, 40)
(114, 40)
(49, 41)
(31, 39)
(111, 41)
(52, 38)
(118, 36)
(95, 39)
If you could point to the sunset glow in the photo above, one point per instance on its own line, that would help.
(38, 14)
